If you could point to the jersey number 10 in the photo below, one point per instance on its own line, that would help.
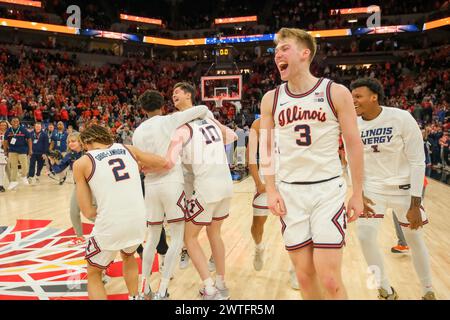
(210, 133)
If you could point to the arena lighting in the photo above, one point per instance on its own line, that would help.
(36, 4)
(359, 10)
(236, 20)
(353, 20)
(436, 23)
(140, 19)
(37, 26)
(387, 29)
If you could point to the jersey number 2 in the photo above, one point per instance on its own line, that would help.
(116, 170)
(305, 134)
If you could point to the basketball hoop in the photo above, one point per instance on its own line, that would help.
(218, 102)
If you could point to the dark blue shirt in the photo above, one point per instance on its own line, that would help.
(68, 160)
(20, 142)
(60, 141)
(39, 142)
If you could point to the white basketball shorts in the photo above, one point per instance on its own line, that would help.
(101, 259)
(315, 215)
(165, 201)
(200, 212)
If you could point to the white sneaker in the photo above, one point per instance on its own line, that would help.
(293, 280)
(215, 296)
(258, 260)
(37, 181)
(30, 181)
(184, 260)
(211, 264)
(13, 185)
(25, 181)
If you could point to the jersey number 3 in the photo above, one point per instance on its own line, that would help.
(305, 135)
(118, 166)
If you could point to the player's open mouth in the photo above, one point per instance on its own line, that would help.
(282, 66)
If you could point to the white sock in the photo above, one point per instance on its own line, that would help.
(220, 282)
(420, 257)
(259, 246)
(367, 235)
(148, 253)
(163, 285)
(209, 286)
(172, 257)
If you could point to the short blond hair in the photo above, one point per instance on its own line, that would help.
(301, 36)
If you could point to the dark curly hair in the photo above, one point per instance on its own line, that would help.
(96, 133)
(372, 84)
(151, 100)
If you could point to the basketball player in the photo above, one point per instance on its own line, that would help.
(308, 114)
(260, 208)
(164, 192)
(393, 178)
(207, 173)
(110, 173)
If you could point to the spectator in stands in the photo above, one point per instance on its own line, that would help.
(3, 110)
(434, 135)
(3, 158)
(59, 139)
(17, 146)
(125, 134)
(444, 144)
(40, 147)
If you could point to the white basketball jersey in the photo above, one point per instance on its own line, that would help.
(391, 141)
(307, 130)
(154, 136)
(116, 185)
(204, 154)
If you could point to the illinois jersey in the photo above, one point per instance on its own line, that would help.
(204, 156)
(307, 129)
(116, 185)
(154, 136)
(393, 145)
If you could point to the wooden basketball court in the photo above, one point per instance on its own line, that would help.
(49, 201)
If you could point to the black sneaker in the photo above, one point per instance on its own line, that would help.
(2, 189)
(61, 181)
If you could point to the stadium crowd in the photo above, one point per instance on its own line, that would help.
(37, 86)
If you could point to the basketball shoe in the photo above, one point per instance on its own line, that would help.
(158, 296)
(384, 295)
(13, 185)
(215, 296)
(429, 296)
(400, 249)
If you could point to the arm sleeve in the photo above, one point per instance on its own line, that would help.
(183, 117)
(412, 139)
(65, 162)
